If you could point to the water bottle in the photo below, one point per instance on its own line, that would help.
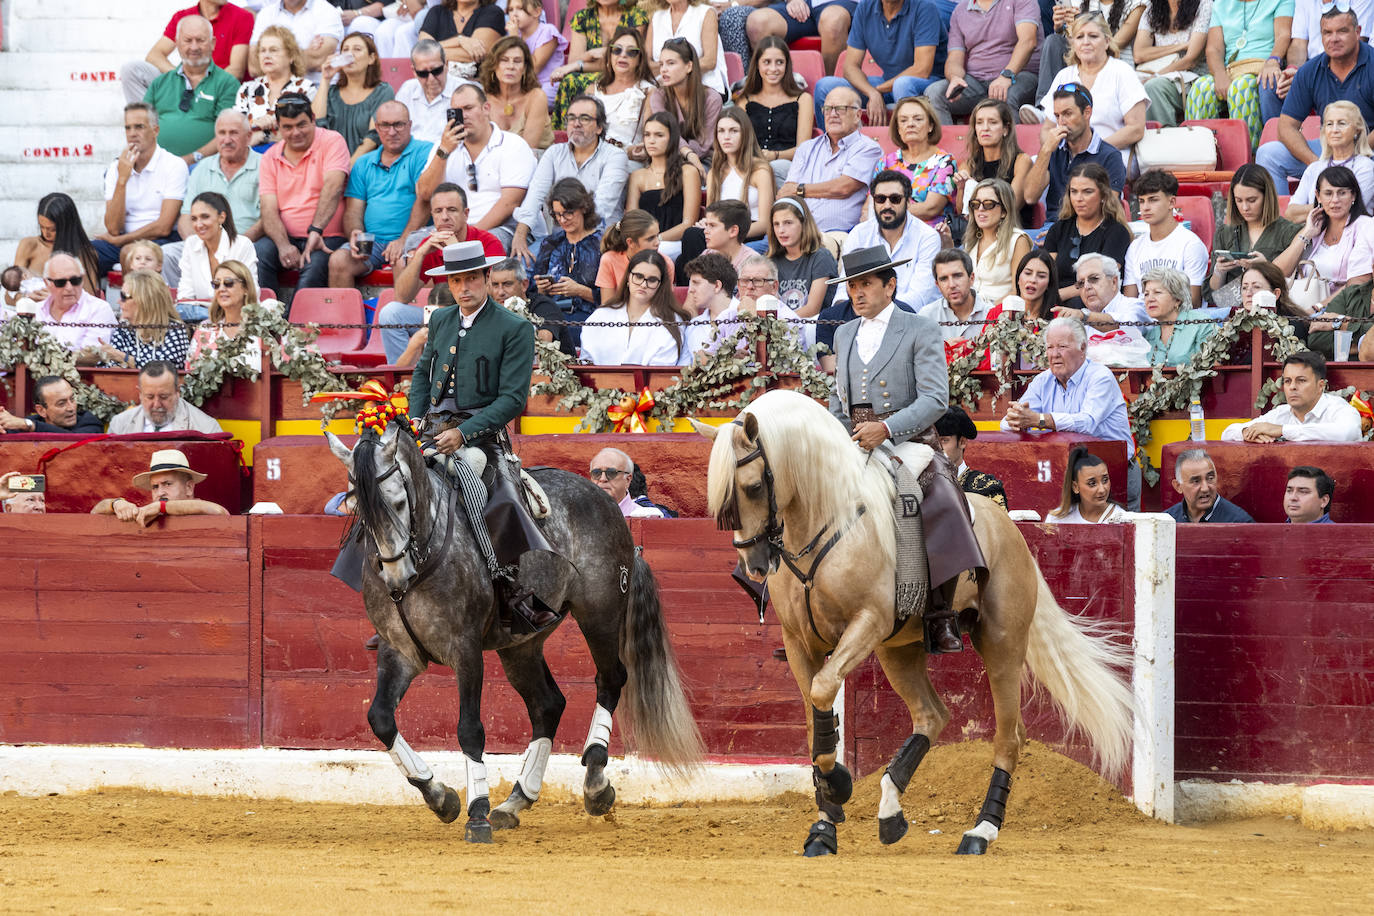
(1196, 420)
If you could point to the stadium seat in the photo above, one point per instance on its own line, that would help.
(382, 277)
(809, 43)
(881, 134)
(1233, 141)
(870, 66)
(954, 139)
(1311, 129)
(681, 293)
(551, 14)
(331, 306)
(734, 68)
(1284, 200)
(1028, 138)
(574, 7)
(809, 66)
(1198, 212)
(396, 70)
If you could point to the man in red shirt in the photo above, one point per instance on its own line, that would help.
(449, 209)
(233, 27)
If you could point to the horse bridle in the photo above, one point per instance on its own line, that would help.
(773, 528)
(418, 553)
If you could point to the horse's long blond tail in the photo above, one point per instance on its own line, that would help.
(1078, 662)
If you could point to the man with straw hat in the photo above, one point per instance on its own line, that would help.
(172, 483)
(892, 386)
(473, 378)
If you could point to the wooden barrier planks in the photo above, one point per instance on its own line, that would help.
(117, 635)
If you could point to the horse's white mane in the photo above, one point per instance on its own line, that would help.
(820, 475)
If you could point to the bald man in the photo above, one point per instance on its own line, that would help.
(380, 207)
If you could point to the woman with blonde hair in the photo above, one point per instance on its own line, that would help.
(591, 31)
(1094, 64)
(143, 254)
(149, 328)
(738, 169)
(235, 290)
(282, 66)
(350, 105)
(518, 103)
(994, 240)
(915, 132)
(1345, 141)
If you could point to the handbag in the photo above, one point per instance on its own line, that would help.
(1229, 296)
(1310, 291)
(1177, 149)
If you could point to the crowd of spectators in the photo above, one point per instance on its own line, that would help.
(264, 153)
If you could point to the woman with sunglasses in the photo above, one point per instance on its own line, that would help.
(591, 31)
(623, 88)
(668, 188)
(994, 240)
(234, 290)
(1253, 224)
(1247, 44)
(570, 256)
(59, 229)
(643, 325)
(350, 106)
(1091, 221)
(518, 103)
(1118, 99)
(782, 113)
(214, 242)
(282, 66)
(695, 22)
(149, 328)
(682, 95)
(1345, 141)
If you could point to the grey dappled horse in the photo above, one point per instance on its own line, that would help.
(446, 613)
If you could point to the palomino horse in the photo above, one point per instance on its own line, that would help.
(430, 597)
(812, 514)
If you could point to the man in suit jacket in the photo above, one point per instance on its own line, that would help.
(891, 383)
(473, 377)
(161, 408)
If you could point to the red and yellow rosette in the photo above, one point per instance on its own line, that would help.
(1360, 402)
(632, 414)
(381, 409)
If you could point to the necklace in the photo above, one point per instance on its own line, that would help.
(655, 177)
(1244, 29)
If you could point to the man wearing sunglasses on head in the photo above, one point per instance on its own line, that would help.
(1070, 143)
(611, 470)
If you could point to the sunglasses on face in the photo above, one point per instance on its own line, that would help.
(888, 198)
(607, 473)
(426, 74)
(983, 205)
(226, 283)
(60, 282)
(618, 51)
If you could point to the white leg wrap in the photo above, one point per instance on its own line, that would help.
(984, 829)
(600, 731)
(408, 761)
(533, 766)
(891, 801)
(477, 779)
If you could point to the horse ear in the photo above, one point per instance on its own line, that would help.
(703, 429)
(751, 427)
(390, 439)
(341, 451)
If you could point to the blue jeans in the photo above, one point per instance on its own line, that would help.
(901, 88)
(395, 340)
(1282, 165)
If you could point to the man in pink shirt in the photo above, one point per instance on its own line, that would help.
(68, 305)
(301, 180)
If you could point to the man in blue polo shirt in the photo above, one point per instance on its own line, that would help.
(1344, 72)
(380, 199)
(1071, 143)
(906, 39)
(1195, 479)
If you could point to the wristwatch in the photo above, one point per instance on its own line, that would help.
(314, 229)
(801, 189)
(1009, 75)
(441, 153)
(197, 156)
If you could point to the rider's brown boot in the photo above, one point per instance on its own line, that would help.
(942, 635)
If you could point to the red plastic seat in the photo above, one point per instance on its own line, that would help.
(809, 43)
(954, 140)
(1198, 211)
(331, 306)
(734, 67)
(1233, 141)
(870, 66)
(882, 135)
(396, 70)
(382, 277)
(1311, 129)
(574, 7)
(809, 66)
(1028, 138)
(681, 293)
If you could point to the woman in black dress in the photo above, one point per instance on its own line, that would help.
(783, 114)
(669, 187)
(1091, 221)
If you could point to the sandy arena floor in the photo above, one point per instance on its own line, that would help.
(1070, 842)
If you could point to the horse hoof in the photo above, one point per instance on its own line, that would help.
(891, 829)
(600, 804)
(478, 831)
(450, 807)
(836, 786)
(971, 846)
(504, 820)
(821, 841)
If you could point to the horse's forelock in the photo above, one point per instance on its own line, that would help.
(365, 493)
(720, 479)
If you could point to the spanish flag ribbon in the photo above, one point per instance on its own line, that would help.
(1362, 406)
(631, 414)
(381, 409)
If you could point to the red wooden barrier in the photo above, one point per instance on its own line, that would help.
(1031, 467)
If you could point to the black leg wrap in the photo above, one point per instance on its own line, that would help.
(833, 788)
(825, 729)
(821, 841)
(995, 804)
(904, 764)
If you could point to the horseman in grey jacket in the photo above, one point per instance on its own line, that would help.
(891, 385)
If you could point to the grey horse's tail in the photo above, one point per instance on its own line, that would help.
(657, 716)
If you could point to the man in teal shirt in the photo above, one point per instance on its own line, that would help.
(188, 99)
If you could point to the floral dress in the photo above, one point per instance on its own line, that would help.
(933, 176)
(253, 100)
(587, 23)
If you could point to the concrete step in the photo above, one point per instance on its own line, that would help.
(92, 71)
(45, 108)
(85, 33)
(158, 11)
(82, 179)
(45, 145)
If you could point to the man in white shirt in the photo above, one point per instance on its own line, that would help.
(1167, 244)
(1099, 289)
(316, 24)
(961, 312)
(711, 282)
(144, 188)
(160, 406)
(426, 96)
(1310, 414)
(903, 236)
(495, 166)
(68, 304)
